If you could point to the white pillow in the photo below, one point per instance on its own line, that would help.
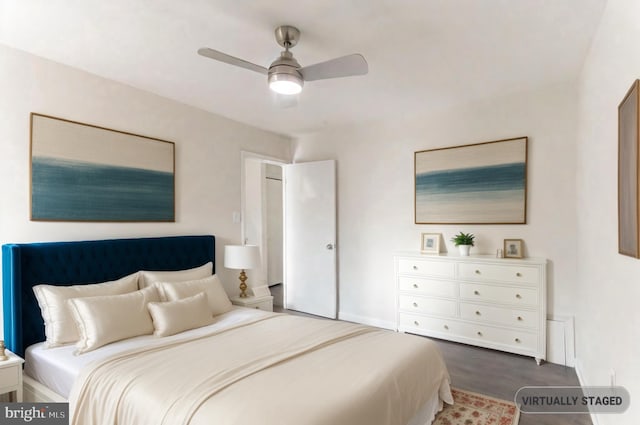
(59, 327)
(172, 317)
(110, 318)
(147, 277)
(218, 300)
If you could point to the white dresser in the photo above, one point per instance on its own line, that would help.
(481, 300)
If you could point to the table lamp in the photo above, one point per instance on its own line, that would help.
(242, 257)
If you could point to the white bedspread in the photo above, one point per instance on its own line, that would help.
(267, 370)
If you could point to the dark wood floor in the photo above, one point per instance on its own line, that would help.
(500, 375)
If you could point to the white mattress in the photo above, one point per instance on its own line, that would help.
(57, 368)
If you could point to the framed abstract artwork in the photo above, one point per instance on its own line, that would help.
(628, 151)
(483, 183)
(82, 172)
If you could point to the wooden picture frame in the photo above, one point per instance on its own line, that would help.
(628, 174)
(430, 243)
(513, 248)
(82, 172)
(482, 183)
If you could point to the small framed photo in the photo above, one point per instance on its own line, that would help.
(513, 248)
(430, 243)
(261, 291)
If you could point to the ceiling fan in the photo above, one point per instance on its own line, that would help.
(285, 75)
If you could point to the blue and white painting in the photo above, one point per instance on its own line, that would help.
(474, 184)
(84, 173)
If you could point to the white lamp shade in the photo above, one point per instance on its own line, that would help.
(243, 257)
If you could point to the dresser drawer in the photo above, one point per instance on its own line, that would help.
(499, 315)
(423, 305)
(501, 294)
(264, 305)
(425, 286)
(427, 324)
(487, 335)
(426, 268)
(499, 273)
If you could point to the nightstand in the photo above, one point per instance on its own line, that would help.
(261, 303)
(11, 376)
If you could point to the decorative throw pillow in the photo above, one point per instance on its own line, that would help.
(218, 299)
(105, 319)
(172, 317)
(59, 326)
(148, 277)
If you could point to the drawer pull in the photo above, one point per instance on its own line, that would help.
(519, 274)
(415, 322)
(476, 293)
(415, 285)
(446, 327)
(415, 304)
(517, 340)
(520, 318)
(478, 313)
(479, 333)
(518, 296)
(415, 267)
(477, 271)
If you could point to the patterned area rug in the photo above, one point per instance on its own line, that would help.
(477, 409)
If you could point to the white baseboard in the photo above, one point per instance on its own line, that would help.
(583, 383)
(348, 317)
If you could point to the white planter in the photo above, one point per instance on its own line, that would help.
(464, 250)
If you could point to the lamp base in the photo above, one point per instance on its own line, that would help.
(243, 285)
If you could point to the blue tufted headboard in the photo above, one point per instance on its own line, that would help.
(72, 263)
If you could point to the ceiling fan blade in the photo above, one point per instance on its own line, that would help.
(231, 60)
(344, 66)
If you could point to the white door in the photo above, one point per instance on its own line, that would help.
(310, 237)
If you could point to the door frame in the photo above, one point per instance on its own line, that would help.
(264, 159)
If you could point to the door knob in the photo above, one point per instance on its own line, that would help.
(329, 246)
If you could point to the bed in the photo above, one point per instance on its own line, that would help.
(246, 367)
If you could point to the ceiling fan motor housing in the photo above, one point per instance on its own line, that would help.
(284, 72)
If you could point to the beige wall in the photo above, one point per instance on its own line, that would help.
(207, 151)
(375, 193)
(607, 314)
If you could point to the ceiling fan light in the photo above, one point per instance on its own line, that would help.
(285, 83)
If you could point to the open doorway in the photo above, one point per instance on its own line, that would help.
(262, 212)
(274, 231)
(289, 211)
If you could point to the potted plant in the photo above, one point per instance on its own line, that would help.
(464, 242)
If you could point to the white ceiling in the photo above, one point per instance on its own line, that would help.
(422, 54)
